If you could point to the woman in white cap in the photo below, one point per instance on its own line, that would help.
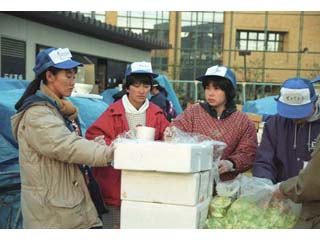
(53, 190)
(289, 137)
(219, 119)
(132, 110)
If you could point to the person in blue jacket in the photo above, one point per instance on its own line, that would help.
(289, 137)
(160, 98)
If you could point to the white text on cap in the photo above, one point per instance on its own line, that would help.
(294, 96)
(60, 55)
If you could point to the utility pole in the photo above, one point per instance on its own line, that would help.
(245, 53)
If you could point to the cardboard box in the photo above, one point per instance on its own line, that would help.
(163, 157)
(170, 188)
(155, 215)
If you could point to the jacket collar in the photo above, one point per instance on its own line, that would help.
(231, 108)
(117, 108)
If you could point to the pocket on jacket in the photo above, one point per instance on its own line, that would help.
(69, 211)
(68, 200)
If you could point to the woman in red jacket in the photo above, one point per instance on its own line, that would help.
(218, 118)
(132, 110)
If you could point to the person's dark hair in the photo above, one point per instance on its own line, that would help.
(224, 84)
(155, 84)
(138, 78)
(35, 85)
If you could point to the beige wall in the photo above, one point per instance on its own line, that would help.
(275, 66)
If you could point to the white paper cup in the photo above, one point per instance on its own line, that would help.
(145, 133)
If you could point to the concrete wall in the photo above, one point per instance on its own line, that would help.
(34, 33)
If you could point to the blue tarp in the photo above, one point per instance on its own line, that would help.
(89, 110)
(264, 106)
(10, 212)
(107, 95)
(9, 84)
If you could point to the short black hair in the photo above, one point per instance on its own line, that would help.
(138, 78)
(224, 84)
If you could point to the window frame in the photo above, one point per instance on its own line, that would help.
(252, 40)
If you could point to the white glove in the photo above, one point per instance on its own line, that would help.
(100, 140)
(225, 166)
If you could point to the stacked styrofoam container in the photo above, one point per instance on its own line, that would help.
(164, 185)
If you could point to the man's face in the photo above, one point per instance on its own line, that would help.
(139, 91)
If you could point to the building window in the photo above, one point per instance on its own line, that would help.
(13, 58)
(201, 42)
(260, 41)
(154, 24)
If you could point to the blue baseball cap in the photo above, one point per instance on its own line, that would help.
(140, 68)
(220, 71)
(317, 79)
(296, 99)
(54, 57)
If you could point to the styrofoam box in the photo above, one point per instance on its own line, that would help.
(163, 157)
(171, 188)
(157, 215)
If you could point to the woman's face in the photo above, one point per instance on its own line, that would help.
(215, 96)
(61, 83)
(138, 93)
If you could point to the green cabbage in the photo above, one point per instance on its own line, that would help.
(245, 213)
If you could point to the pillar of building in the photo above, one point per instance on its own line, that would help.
(174, 54)
(111, 18)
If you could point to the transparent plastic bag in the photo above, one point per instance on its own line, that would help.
(229, 188)
(256, 208)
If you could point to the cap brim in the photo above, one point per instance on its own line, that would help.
(68, 65)
(295, 112)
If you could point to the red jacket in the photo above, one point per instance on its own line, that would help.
(110, 124)
(236, 130)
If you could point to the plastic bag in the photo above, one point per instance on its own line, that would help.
(229, 189)
(256, 208)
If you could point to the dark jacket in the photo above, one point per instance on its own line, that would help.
(284, 148)
(111, 124)
(160, 99)
(305, 189)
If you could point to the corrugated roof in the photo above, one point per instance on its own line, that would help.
(78, 23)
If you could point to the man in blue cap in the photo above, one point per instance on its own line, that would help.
(289, 137)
